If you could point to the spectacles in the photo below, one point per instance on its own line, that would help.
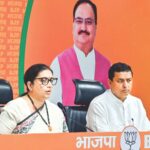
(45, 80)
(87, 21)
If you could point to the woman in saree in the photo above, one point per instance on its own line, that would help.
(32, 112)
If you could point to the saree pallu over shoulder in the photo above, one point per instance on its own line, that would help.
(17, 118)
(26, 124)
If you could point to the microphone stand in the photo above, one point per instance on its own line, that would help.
(60, 105)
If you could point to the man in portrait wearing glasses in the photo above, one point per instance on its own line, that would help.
(81, 61)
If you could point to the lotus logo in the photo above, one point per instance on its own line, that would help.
(130, 139)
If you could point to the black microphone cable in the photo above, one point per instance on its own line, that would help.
(60, 105)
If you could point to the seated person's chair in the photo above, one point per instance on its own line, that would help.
(86, 90)
(6, 93)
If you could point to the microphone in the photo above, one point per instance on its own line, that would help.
(61, 106)
(132, 121)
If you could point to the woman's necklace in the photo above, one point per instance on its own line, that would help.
(47, 123)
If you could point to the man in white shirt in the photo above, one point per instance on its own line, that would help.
(116, 108)
(81, 61)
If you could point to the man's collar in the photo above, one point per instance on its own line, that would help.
(80, 52)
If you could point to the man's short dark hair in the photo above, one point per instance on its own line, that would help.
(118, 67)
(79, 2)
